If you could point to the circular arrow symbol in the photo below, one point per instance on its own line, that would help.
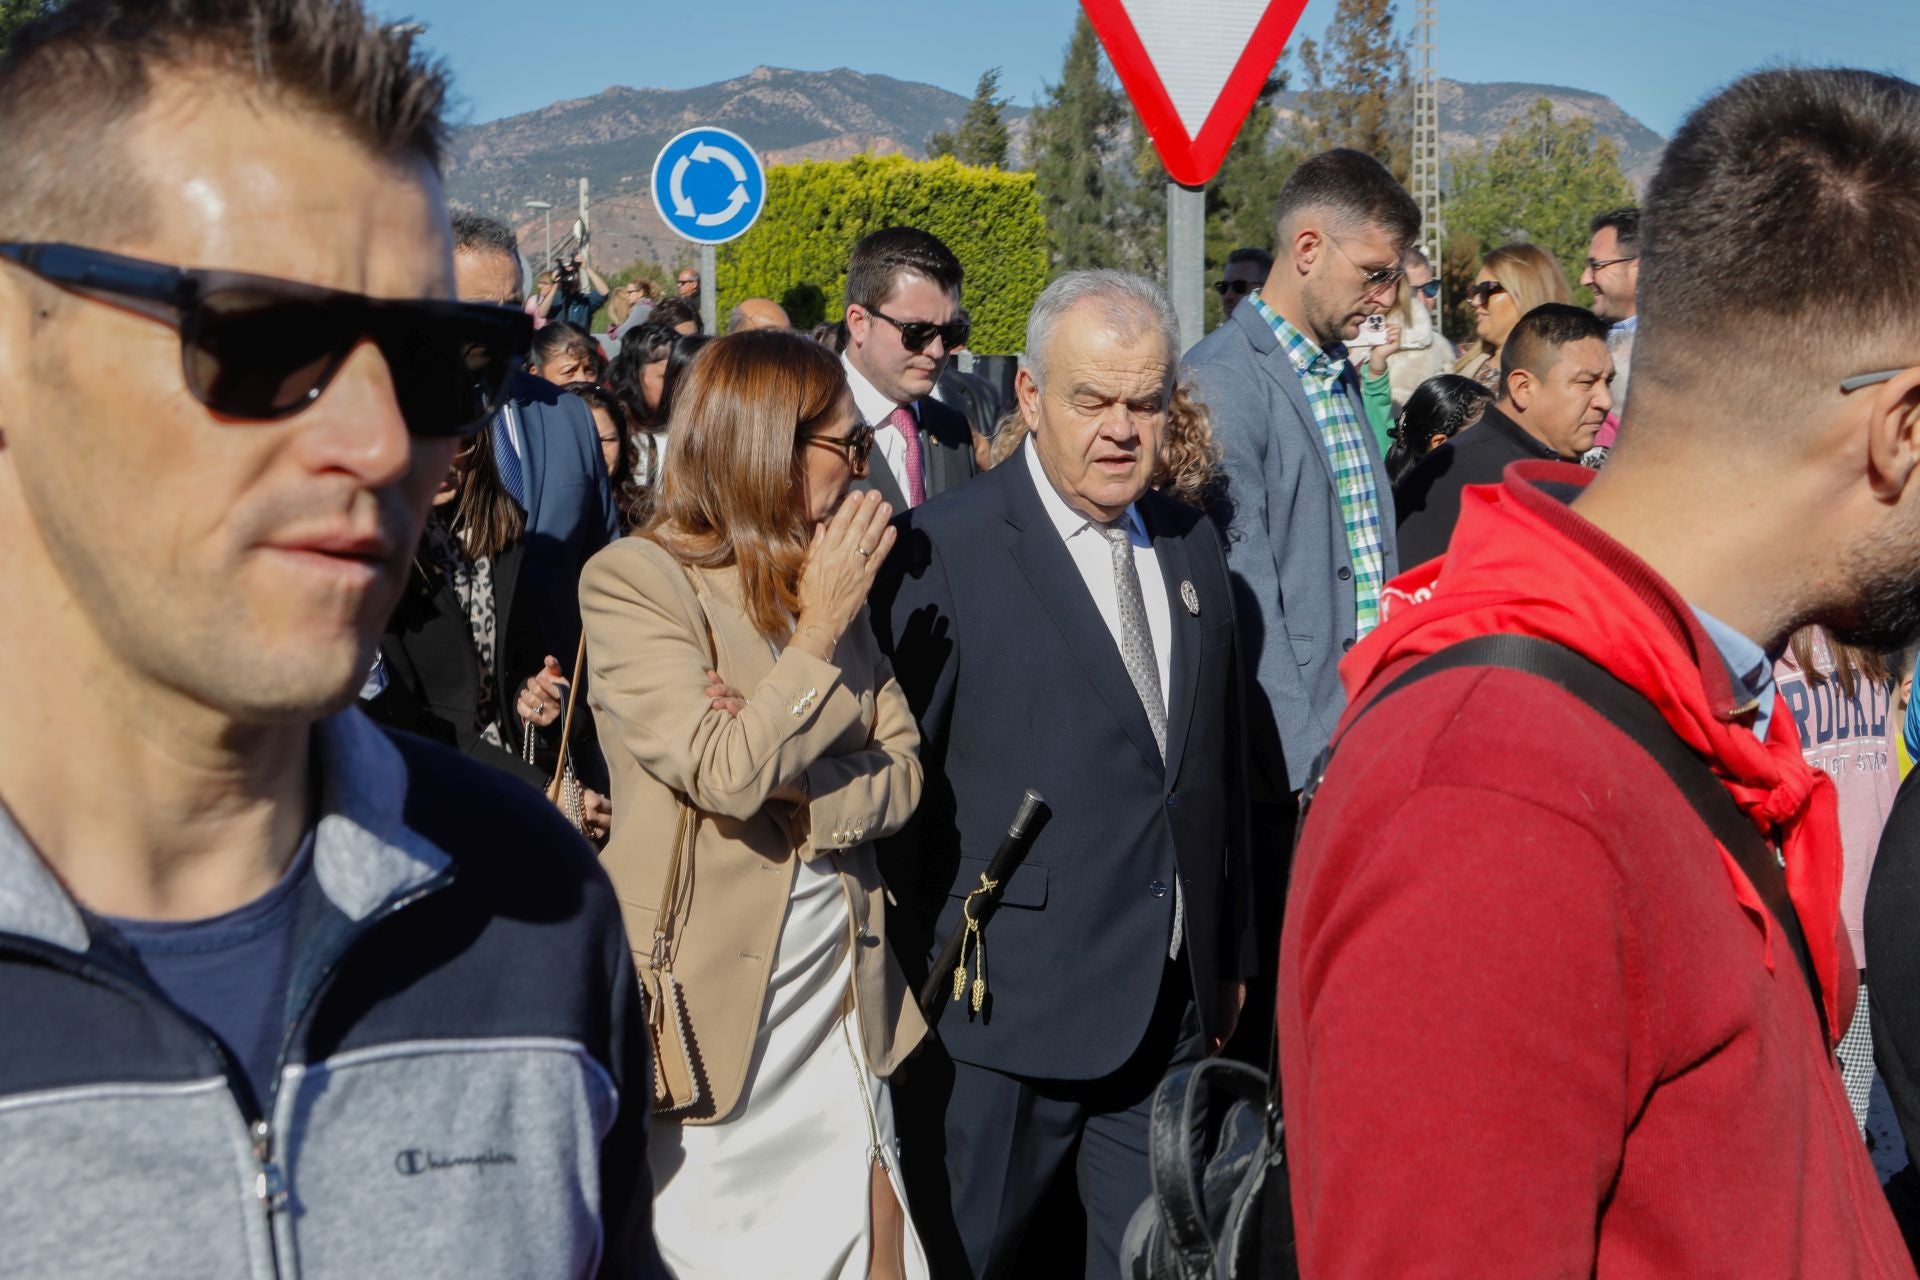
(704, 154)
(713, 204)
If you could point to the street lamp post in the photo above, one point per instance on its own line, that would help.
(547, 209)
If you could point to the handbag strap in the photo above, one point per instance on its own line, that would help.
(686, 829)
(566, 724)
(1628, 711)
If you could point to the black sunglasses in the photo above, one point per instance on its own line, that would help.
(915, 335)
(263, 348)
(859, 446)
(1238, 288)
(1481, 290)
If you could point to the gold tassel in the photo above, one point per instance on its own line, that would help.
(978, 940)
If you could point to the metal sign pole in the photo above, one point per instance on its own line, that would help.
(1186, 259)
(707, 282)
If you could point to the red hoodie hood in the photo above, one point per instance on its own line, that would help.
(1522, 561)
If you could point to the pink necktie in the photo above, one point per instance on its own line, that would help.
(902, 420)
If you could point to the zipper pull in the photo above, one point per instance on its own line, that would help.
(269, 1186)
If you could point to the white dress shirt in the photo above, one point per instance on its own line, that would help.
(1093, 557)
(874, 409)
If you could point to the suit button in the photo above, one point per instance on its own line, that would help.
(1173, 799)
(1344, 573)
(1158, 888)
(1346, 646)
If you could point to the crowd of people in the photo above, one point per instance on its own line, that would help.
(1519, 773)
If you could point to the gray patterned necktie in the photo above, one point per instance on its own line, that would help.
(1136, 651)
(1136, 639)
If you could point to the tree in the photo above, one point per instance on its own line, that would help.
(1358, 91)
(15, 14)
(982, 137)
(1541, 181)
(1069, 139)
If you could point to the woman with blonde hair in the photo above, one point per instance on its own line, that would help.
(1513, 280)
(743, 853)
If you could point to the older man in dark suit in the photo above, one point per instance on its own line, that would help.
(903, 323)
(1058, 625)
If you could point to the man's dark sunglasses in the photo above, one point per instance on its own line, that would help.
(915, 335)
(263, 348)
(1238, 288)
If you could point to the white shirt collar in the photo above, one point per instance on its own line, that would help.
(874, 408)
(1065, 519)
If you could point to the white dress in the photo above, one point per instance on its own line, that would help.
(781, 1188)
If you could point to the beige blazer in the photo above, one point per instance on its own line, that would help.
(845, 725)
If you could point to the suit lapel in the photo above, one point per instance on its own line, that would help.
(1184, 662)
(533, 457)
(1055, 579)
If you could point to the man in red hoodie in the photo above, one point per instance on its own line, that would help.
(1534, 1019)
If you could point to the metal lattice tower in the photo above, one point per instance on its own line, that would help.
(1426, 133)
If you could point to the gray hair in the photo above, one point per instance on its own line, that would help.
(1128, 302)
(477, 233)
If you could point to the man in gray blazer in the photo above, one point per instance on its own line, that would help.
(903, 323)
(1308, 511)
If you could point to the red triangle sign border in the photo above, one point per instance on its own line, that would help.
(1192, 160)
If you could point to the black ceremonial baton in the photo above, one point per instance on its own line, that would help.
(947, 981)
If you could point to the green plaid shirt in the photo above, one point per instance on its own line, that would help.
(1321, 374)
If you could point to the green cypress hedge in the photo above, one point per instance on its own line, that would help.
(797, 252)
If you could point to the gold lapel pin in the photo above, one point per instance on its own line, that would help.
(1190, 597)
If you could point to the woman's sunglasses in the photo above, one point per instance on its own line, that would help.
(859, 446)
(1485, 289)
(263, 348)
(915, 335)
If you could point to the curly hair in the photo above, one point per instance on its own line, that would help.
(1189, 465)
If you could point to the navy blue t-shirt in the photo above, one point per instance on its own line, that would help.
(231, 971)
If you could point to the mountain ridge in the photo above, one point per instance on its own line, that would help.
(611, 137)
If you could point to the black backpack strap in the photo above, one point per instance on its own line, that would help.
(1628, 711)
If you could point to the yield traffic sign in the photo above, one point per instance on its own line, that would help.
(1193, 69)
(708, 185)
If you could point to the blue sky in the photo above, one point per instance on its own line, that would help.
(1655, 57)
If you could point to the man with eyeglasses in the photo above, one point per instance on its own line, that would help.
(688, 282)
(1310, 515)
(276, 985)
(1613, 273)
(1564, 929)
(1245, 271)
(903, 322)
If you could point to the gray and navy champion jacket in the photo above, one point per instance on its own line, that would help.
(462, 1087)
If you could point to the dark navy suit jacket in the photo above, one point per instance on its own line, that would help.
(1017, 683)
(570, 512)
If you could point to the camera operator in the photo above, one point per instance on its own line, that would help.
(570, 302)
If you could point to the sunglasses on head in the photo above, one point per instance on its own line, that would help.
(916, 335)
(263, 348)
(1485, 289)
(1236, 288)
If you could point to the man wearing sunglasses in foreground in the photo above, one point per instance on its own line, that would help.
(281, 992)
(903, 321)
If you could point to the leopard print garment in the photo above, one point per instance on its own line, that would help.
(473, 583)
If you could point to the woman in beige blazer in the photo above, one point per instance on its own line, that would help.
(732, 664)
